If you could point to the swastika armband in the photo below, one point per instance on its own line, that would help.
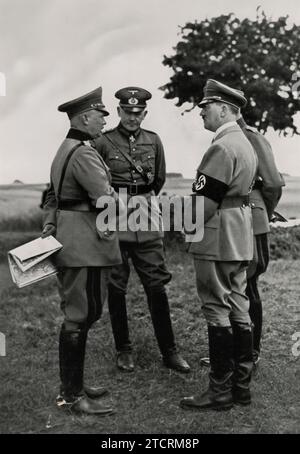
(210, 187)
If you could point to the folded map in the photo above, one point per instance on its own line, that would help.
(31, 262)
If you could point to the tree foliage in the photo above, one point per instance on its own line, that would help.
(260, 57)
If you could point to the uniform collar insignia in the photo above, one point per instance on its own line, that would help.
(129, 134)
(76, 134)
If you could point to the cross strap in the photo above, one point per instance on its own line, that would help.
(63, 172)
(138, 168)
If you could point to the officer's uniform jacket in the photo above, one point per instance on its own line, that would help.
(267, 187)
(86, 179)
(225, 175)
(146, 150)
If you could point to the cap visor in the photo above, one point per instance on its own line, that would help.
(204, 102)
(133, 108)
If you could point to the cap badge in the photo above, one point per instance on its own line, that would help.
(133, 101)
(97, 104)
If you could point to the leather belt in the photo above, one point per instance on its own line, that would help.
(235, 202)
(76, 205)
(133, 189)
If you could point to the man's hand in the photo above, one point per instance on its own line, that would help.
(48, 230)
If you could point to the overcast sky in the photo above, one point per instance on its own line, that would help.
(55, 50)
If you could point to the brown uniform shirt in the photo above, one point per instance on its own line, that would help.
(229, 165)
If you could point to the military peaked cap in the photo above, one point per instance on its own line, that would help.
(133, 98)
(215, 91)
(90, 101)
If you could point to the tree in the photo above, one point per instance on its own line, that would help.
(260, 57)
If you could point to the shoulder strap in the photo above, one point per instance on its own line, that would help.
(138, 168)
(63, 172)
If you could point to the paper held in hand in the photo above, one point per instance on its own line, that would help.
(31, 262)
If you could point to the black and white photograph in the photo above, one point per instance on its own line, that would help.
(149, 220)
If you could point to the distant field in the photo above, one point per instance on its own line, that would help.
(24, 199)
(19, 207)
(19, 200)
(20, 186)
(289, 205)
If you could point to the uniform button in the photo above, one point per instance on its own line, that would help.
(149, 157)
(133, 149)
(117, 157)
(134, 181)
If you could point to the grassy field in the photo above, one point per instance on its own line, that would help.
(19, 200)
(147, 400)
(22, 200)
(19, 209)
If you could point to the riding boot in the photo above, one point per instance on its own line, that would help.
(119, 323)
(160, 314)
(256, 315)
(218, 396)
(243, 358)
(71, 364)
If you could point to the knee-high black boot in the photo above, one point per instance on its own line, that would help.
(243, 358)
(71, 364)
(160, 314)
(219, 393)
(256, 314)
(119, 324)
(118, 317)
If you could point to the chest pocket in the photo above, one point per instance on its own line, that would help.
(147, 158)
(117, 163)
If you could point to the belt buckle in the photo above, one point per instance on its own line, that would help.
(133, 188)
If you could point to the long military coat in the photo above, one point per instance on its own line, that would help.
(265, 198)
(86, 179)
